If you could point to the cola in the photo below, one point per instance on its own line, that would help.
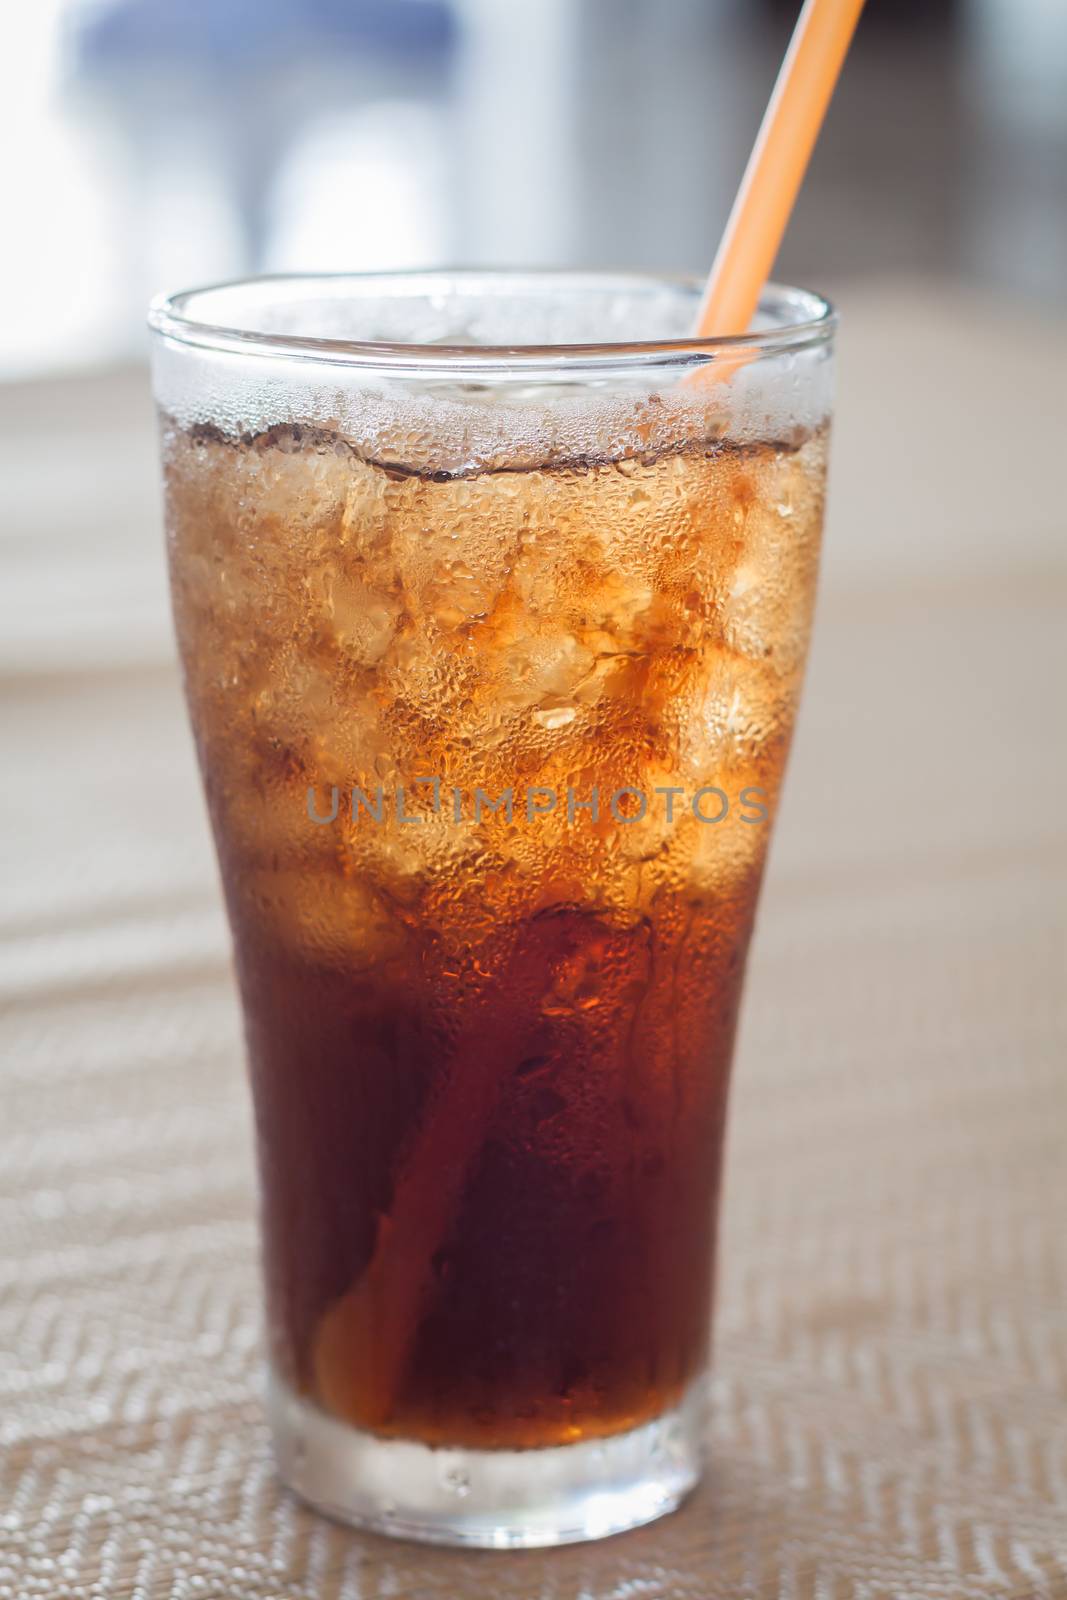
(490, 1040)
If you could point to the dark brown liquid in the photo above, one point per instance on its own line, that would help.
(489, 1059)
(568, 1282)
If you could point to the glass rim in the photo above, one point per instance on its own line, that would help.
(808, 319)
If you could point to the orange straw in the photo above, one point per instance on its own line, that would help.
(777, 165)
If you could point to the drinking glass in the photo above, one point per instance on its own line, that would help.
(493, 593)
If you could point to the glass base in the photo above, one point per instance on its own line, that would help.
(495, 1499)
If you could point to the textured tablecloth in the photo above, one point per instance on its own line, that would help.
(890, 1397)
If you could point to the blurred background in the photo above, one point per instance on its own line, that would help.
(160, 143)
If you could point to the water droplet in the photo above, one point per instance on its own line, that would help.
(553, 717)
(457, 1481)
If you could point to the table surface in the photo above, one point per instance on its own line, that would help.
(891, 1364)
